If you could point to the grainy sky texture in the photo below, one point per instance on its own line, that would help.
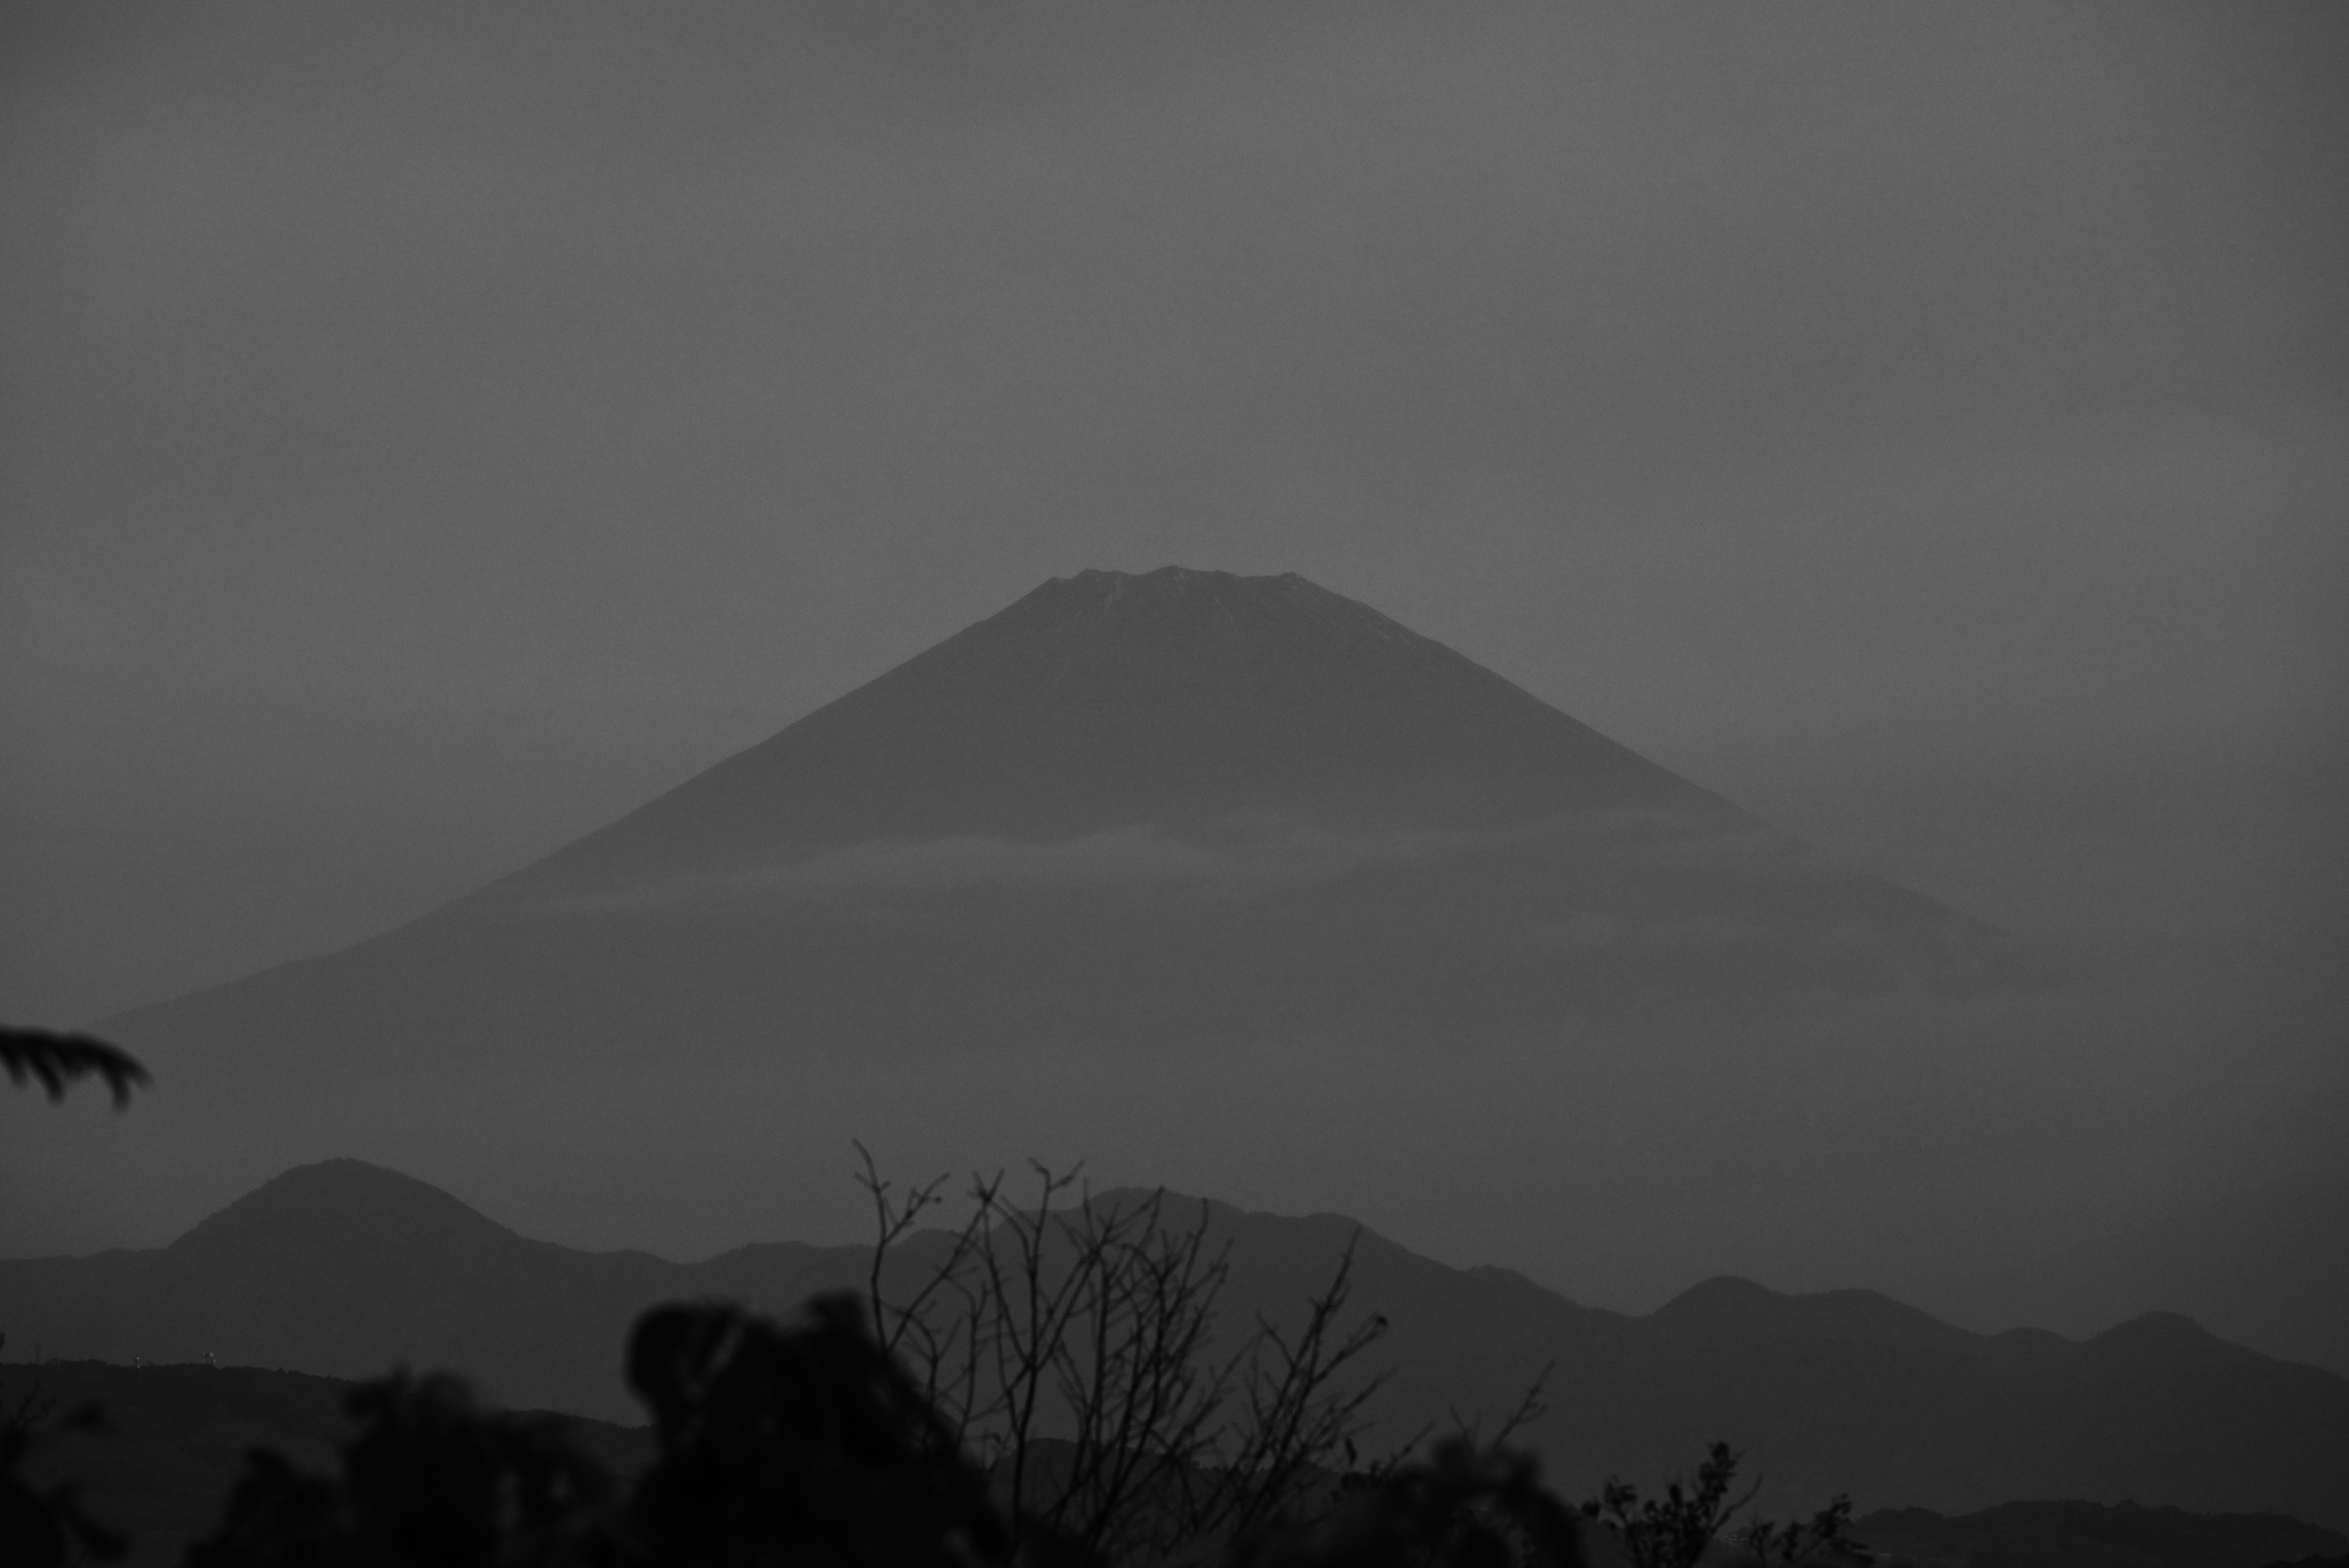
(427, 430)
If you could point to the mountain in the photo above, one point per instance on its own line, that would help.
(2266, 1267)
(1132, 871)
(1167, 807)
(344, 1268)
(1194, 702)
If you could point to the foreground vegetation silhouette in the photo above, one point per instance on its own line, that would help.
(41, 1525)
(812, 1445)
(55, 1060)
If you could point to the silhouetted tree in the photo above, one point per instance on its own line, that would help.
(812, 1445)
(1676, 1529)
(44, 1526)
(1472, 1505)
(774, 1444)
(428, 1477)
(1827, 1534)
(798, 1445)
(1067, 1345)
(57, 1061)
(1467, 1505)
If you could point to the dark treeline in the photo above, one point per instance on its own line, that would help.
(810, 1444)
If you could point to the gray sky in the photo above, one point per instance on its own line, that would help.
(427, 430)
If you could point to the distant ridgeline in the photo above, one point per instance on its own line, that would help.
(345, 1269)
(2092, 1535)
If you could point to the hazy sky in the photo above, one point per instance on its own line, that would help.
(426, 430)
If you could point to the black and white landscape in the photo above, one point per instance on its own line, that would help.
(1686, 665)
(345, 1269)
(1219, 880)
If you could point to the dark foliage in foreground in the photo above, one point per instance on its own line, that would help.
(1465, 1504)
(43, 1527)
(1681, 1526)
(796, 1444)
(811, 1445)
(774, 1444)
(428, 1479)
(1069, 1347)
(55, 1060)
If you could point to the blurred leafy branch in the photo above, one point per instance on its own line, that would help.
(55, 1060)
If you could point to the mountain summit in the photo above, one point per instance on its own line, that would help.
(1171, 699)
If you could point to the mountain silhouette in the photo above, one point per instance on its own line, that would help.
(1157, 808)
(343, 1268)
(2264, 1266)
(1174, 699)
(2092, 1535)
(1143, 868)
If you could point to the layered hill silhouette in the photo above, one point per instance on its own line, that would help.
(2266, 1267)
(2089, 1535)
(1157, 808)
(344, 1268)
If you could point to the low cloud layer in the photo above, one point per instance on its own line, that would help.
(1135, 857)
(1231, 857)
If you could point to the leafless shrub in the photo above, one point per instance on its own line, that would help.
(1070, 1344)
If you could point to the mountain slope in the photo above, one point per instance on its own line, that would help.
(1163, 808)
(344, 1268)
(1171, 699)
